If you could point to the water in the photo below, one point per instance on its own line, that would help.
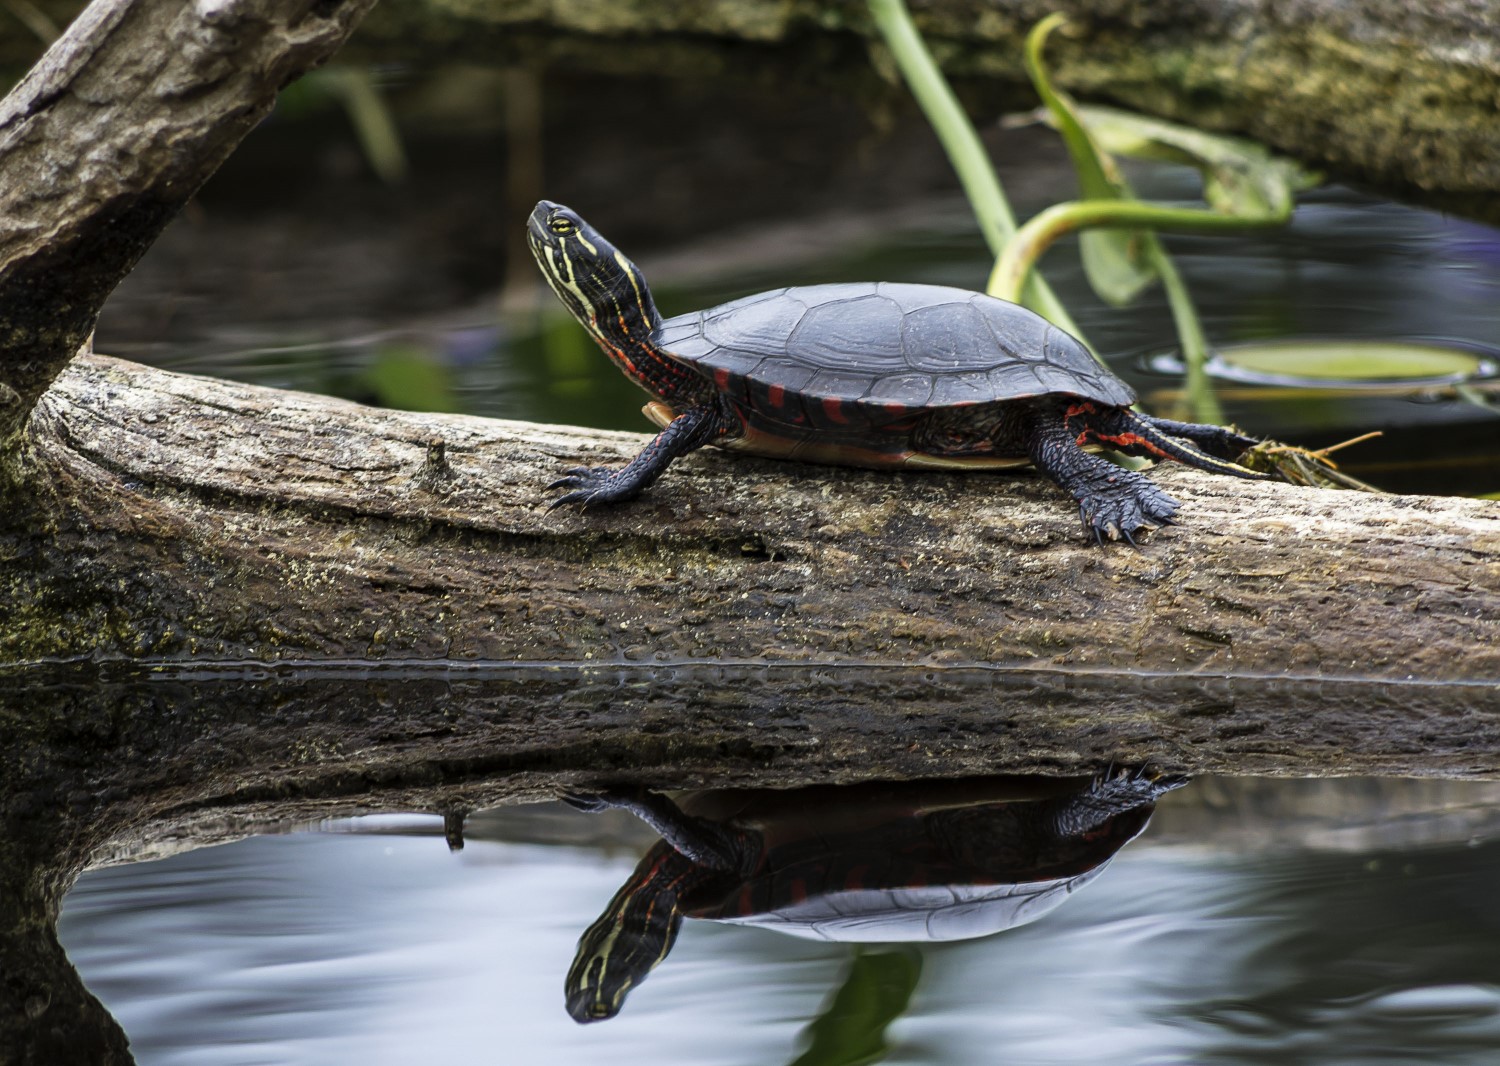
(1345, 922)
(1351, 923)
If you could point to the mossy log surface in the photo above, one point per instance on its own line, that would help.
(196, 518)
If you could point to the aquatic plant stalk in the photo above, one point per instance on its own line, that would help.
(1203, 402)
(1040, 232)
(965, 151)
(1044, 229)
(372, 121)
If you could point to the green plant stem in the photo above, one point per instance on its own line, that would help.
(1039, 233)
(1045, 228)
(965, 150)
(372, 120)
(1203, 404)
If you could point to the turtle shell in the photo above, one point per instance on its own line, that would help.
(886, 344)
(880, 863)
(927, 913)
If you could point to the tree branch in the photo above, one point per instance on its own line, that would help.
(109, 135)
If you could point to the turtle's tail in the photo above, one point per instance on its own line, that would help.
(1133, 434)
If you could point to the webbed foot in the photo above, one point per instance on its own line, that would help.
(1120, 504)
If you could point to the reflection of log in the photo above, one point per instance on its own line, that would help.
(189, 517)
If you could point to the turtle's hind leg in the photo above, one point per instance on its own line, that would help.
(1190, 443)
(1219, 441)
(1112, 501)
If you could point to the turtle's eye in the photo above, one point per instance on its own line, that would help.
(562, 225)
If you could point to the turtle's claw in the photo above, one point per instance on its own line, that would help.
(572, 497)
(579, 476)
(590, 485)
(588, 802)
(1123, 511)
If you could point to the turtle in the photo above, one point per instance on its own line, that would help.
(869, 374)
(873, 863)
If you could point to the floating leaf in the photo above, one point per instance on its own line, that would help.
(1352, 363)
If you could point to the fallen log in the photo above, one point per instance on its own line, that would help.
(190, 518)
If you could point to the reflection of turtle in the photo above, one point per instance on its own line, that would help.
(873, 374)
(943, 860)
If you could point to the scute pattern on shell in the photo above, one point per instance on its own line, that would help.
(891, 343)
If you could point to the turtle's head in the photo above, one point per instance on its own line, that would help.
(634, 933)
(603, 289)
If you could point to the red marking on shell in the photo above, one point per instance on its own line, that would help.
(777, 395)
(797, 891)
(721, 378)
(834, 409)
(895, 408)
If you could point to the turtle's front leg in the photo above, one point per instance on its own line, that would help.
(594, 485)
(707, 843)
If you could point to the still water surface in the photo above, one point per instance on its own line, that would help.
(1254, 922)
(1230, 933)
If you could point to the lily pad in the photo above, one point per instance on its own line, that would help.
(1348, 364)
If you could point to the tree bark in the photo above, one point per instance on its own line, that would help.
(109, 135)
